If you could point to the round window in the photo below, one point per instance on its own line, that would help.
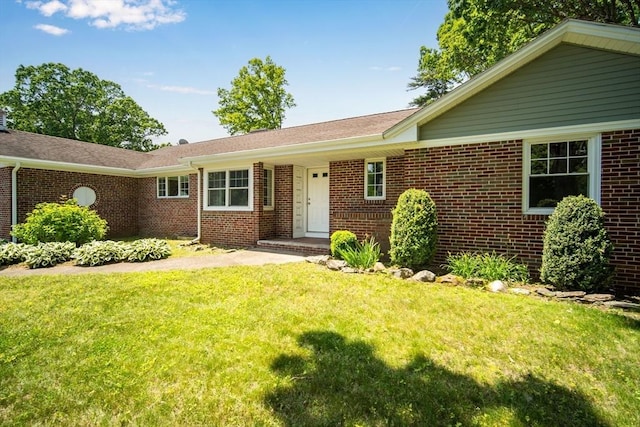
(85, 196)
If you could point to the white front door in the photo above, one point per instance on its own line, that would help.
(318, 202)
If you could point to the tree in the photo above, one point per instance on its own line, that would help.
(478, 33)
(53, 100)
(257, 98)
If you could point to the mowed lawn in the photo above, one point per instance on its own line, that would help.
(300, 345)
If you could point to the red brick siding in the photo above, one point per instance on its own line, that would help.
(348, 208)
(117, 197)
(167, 217)
(620, 200)
(283, 214)
(5, 203)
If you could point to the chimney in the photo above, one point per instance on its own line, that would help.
(3, 121)
(182, 141)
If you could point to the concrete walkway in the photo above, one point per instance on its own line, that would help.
(241, 257)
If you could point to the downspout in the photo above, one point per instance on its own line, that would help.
(199, 220)
(14, 197)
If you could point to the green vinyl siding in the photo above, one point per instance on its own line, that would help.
(569, 85)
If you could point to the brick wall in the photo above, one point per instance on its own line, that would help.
(283, 213)
(620, 189)
(167, 217)
(116, 197)
(5, 203)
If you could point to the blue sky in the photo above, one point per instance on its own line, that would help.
(344, 58)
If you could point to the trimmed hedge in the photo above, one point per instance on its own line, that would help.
(342, 240)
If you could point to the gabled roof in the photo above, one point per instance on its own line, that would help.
(47, 150)
(595, 35)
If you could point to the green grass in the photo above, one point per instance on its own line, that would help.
(300, 345)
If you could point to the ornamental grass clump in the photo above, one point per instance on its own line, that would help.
(576, 249)
(413, 229)
(342, 240)
(364, 255)
(488, 266)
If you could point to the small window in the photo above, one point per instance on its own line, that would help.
(554, 170)
(173, 186)
(228, 189)
(267, 202)
(374, 185)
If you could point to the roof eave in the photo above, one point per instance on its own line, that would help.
(66, 167)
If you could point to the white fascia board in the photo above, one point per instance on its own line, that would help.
(68, 167)
(561, 131)
(305, 149)
(596, 35)
(165, 170)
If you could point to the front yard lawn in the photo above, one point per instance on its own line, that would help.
(300, 345)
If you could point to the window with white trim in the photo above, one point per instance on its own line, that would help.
(554, 170)
(374, 179)
(267, 191)
(173, 186)
(228, 189)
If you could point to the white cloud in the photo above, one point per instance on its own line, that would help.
(51, 29)
(182, 89)
(128, 14)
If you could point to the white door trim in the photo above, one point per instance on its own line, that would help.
(317, 232)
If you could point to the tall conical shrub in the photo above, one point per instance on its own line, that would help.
(413, 229)
(576, 248)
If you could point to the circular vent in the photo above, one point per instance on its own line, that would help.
(85, 196)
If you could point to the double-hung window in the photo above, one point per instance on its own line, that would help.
(374, 179)
(173, 186)
(228, 189)
(554, 170)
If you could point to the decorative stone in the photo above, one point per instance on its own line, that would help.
(520, 291)
(401, 273)
(378, 266)
(570, 294)
(318, 259)
(451, 279)
(349, 270)
(474, 281)
(623, 305)
(497, 286)
(546, 292)
(336, 264)
(597, 297)
(424, 276)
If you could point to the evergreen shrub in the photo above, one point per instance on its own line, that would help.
(577, 249)
(413, 229)
(342, 240)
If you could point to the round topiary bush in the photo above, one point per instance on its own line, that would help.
(413, 229)
(342, 240)
(61, 222)
(576, 249)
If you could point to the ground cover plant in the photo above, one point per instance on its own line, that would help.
(300, 345)
(488, 266)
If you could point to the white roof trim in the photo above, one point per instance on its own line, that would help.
(590, 34)
(561, 131)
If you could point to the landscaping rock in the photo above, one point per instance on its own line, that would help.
(424, 276)
(497, 286)
(401, 273)
(450, 279)
(597, 298)
(336, 264)
(623, 305)
(546, 292)
(520, 291)
(350, 270)
(378, 266)
(318, 259)
(475, 282)
(570, 294)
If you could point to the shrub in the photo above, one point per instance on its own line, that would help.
(576, 248)
(48, 254)
(413, 229)
(61, 222)
(364, 255)
(12, 253)
(487, 266)
(341, 240)
(147, 249)
(100, 252)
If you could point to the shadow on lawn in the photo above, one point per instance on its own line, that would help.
(344, 383)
